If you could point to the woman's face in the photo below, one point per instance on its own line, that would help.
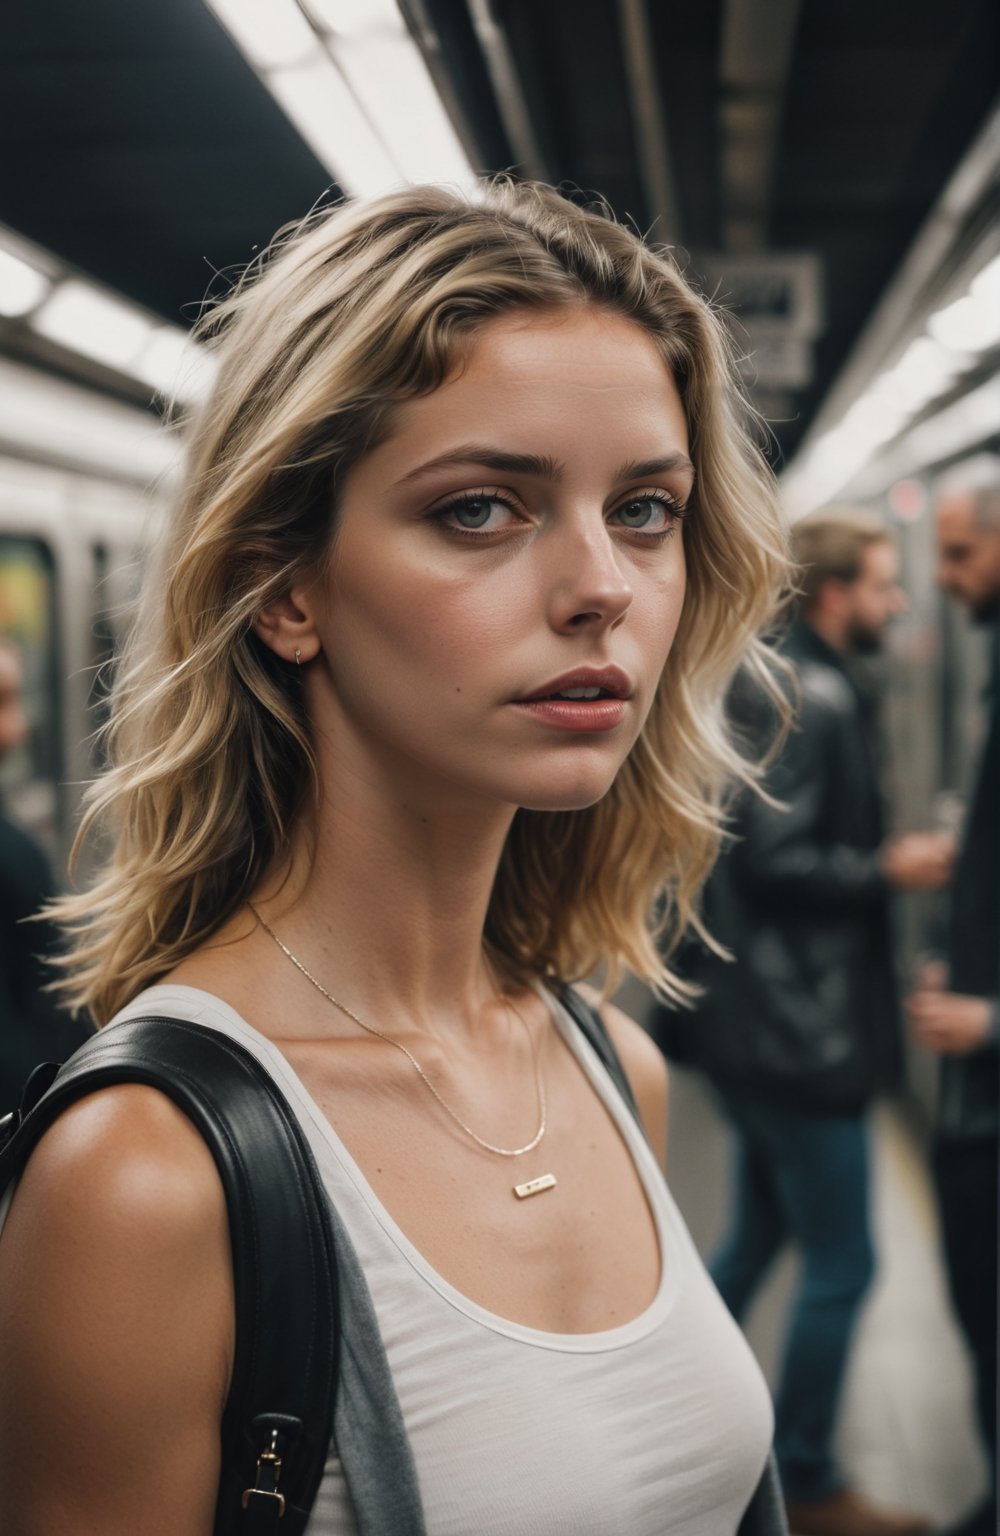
(509, 568)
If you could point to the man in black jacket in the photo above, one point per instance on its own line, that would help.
(32, 1027)
(957, 1013)
(802, 1030)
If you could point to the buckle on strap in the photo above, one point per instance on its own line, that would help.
(267, 1477)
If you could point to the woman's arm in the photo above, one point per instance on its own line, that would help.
(117, 1340)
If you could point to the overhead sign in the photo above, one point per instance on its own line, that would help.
(770, 292)
(777, 362)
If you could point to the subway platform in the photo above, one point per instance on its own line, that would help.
(907, 1436)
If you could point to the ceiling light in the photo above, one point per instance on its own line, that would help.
(98, 324)
(390, 80)
(848, 455)
(972, 323)
(174, 365)
(356, 88)
(948, 434)
(22, 287)
(351, 18)
(829, 450)
(877, 416)
(959, 325)
(271, 34)
(926, 369)
(986, 284)
(971, 420)
(88, 321)
(832, 463)
(316, 99)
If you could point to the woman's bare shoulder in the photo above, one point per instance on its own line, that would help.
(644, 1066)
(116, 1290)
(127, 1158)
(642, 1059)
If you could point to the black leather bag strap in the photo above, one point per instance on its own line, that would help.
(278, 1420)
(595, 1031)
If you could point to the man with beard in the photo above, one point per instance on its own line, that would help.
(955, 1011)
(802, 1031)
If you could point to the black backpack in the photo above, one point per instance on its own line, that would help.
(278, 1419)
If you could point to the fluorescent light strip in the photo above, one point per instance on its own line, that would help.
(81, 318)
(951, 432)
(928, 367)
(316, 98)
(349, 18)
(109, 330)
(271, 34)
(352, 80)
(175, 366)
(93, 322)
(22, 286)
(972, 323)
(396, 93)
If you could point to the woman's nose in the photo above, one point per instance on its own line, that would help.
(588, 585)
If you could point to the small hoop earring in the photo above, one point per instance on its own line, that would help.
(298, 657)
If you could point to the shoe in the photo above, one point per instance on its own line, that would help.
(846, 1513)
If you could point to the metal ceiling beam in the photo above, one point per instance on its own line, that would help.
(934, 260)
(427, 38)
(758, 41)
(648, 122)
(510, 99)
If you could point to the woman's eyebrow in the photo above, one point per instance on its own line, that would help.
(542, 466)
(645, 469)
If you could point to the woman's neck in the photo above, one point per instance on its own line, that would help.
(388, 897)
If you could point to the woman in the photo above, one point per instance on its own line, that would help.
(423, 714)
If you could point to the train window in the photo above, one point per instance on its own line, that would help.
(29, 775)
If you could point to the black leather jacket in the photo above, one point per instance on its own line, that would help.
(32, 1027)
(970, 1085)
(807, 1013)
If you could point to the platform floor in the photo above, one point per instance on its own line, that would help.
(906, 1435)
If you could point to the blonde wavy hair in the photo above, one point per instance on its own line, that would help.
(209, 747)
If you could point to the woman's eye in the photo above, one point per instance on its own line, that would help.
(648, 514)
(479, 513)
(475, 514)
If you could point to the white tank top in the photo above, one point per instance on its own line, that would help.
(659, 1426)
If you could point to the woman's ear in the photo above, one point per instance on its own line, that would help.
(288, 628)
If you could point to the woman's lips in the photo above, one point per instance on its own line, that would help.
(586, 679)
(575, 714)
(598, 699)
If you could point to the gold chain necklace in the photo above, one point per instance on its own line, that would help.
(523, 1191)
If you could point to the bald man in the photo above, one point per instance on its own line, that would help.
(956, 1012)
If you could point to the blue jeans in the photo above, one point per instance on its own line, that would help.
(802, 1178)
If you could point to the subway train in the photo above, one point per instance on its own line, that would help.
(82, 490)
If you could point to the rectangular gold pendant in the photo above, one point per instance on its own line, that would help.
(535, 1186)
